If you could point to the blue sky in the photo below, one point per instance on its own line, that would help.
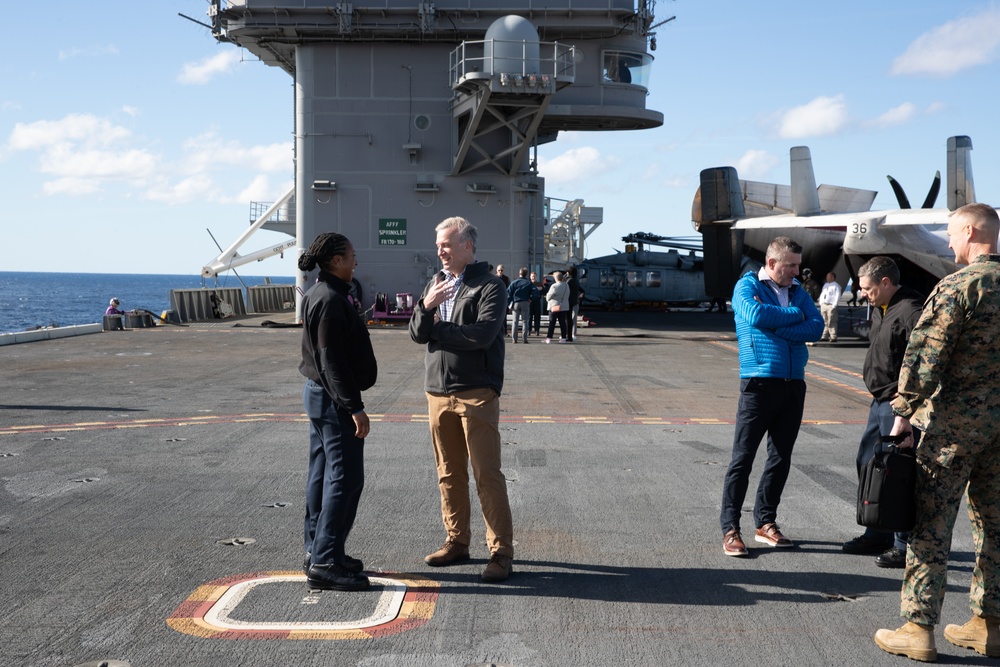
(126, 132)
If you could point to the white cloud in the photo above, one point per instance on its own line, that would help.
(193, 188)
(129, 110)
(208, 150)
(84, 128)
(756, 164)
(895, 116)
(935, 107)
(7, 105)
(575, 165)
(822, 116)
(203, 71)
(259, 189)
(954, 46)
(82, 154)
(104, 50)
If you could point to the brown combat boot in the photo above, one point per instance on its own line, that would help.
(912, 640)
(451, 552)
(981, 634)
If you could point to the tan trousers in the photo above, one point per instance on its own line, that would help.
(465, 429)
(830, 320)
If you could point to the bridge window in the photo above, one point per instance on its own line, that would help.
(627, 67)
(652, 278)
(634, 278)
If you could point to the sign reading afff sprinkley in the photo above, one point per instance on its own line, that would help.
(392, 231)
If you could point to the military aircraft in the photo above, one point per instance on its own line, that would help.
(645, 277)
(834, 225)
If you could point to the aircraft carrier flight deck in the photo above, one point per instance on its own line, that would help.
(152, 501)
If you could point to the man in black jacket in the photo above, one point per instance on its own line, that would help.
(460, 318)
(897, 309)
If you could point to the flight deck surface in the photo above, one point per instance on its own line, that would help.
(152, 501)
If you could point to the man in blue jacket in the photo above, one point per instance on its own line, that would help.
(775, 318)
(520, 294)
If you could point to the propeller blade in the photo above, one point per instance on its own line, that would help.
(932, 194)
(900, 195)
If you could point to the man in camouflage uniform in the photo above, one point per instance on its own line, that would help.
(950, 387)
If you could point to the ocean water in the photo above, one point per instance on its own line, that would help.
(30, 300)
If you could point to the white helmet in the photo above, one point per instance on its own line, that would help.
(114, 301)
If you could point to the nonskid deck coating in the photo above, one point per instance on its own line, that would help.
(140, 467)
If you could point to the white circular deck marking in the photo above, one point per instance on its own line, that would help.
(386, 609)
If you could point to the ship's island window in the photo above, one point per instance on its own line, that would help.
(652, 278)
(634, 278)
(627, 67)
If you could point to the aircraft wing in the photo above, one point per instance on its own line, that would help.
(918, 235)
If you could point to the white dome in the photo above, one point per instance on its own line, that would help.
(512, 46)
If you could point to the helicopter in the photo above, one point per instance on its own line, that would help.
(641, 277)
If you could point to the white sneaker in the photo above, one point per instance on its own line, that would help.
(548, 340)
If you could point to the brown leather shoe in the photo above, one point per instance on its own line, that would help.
(451, 552)
(732, 544)
(498, 569)
(769, 533)
(981, 634)
(912, 640)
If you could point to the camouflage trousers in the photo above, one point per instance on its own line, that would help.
(941, 481)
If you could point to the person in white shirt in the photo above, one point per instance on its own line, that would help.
(829, 297)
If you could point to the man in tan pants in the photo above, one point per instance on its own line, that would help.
(460, 318)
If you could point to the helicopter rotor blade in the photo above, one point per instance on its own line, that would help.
(900, 195)
(932, 194)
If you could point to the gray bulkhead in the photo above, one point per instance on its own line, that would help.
(405, 115)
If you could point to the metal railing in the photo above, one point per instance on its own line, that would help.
(482, 59)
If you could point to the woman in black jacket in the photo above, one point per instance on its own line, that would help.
(338, 363)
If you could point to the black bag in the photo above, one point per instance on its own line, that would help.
(887, 486)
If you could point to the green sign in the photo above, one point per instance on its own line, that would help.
(392, 231)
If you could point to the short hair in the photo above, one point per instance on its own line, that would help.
(878, 268)
(985, 216)
(558, 276)
(523, 272)
(780, 245)
(324, 248)
(466, 230)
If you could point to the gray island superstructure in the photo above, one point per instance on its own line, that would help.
(410, 112)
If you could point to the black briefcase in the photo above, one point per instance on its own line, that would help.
(886, 489)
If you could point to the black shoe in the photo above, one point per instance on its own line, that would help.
(332, 577)
(895, 558)
(865, 544)
(352, 565)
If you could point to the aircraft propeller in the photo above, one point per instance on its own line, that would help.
(932, 194)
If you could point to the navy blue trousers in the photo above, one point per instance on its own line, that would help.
(880, 420)
(336, 476)
(772, 406)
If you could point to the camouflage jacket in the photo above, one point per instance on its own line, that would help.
(949, 385)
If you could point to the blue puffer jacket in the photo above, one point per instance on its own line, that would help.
(772, 337)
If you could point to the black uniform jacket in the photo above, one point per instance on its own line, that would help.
(887, 339)
(467, 352)
(336, 348)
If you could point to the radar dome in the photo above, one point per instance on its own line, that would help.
(512, 46)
